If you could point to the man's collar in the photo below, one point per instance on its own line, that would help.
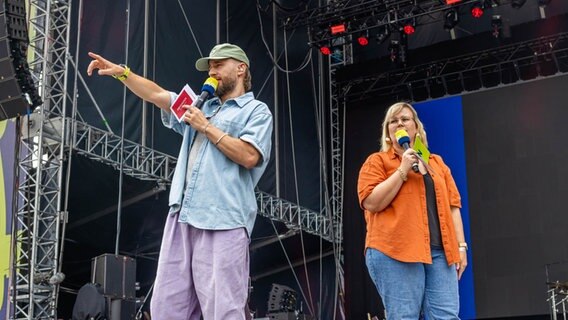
(241, 100)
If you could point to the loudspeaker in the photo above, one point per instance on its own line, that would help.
(116, 275)
(18, 95)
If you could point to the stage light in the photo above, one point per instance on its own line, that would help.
(382, 36)
(398, 48)
(496, 25)
(518, 3)
(409, 29)
(477, 10)
(363, 38)
(451, 19)
(325, 50)
(338, 28)
(449, 2)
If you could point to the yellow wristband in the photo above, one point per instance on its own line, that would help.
(124, 74)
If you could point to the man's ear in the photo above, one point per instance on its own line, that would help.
(241, 67)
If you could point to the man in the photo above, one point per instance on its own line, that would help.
(203, 267)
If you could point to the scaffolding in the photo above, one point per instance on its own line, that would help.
(36, 234)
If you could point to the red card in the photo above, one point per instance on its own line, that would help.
(185, 97)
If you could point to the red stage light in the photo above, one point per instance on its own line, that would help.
(363, 40)
(325, 50)
(409, 29)
(476, 11)
(452, 1)
(338, 28)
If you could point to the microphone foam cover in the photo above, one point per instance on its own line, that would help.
(210, 85)
(402, 136)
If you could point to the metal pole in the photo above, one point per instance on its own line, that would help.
(145, 69)
(218, 22)
(276, 106)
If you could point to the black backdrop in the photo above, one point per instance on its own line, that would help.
(517, 184)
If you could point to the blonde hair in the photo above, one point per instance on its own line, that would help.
(391, 111)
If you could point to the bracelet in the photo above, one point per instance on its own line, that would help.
(205, 129)
(124, 74)
(463, 245)
(462, 249)
(402, 175)
(221, 138)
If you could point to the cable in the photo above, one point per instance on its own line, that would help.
(122, 133)
(304, 63)
(302, 6)
(295, 169)
(291, 266)
(190, 29)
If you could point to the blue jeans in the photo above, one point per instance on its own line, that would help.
(411, 289)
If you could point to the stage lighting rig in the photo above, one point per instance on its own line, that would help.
(348, 19)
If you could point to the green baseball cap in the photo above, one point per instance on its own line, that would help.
(222, 51)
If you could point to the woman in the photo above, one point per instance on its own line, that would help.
(415, 248)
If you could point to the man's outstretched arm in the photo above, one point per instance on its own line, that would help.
(140, 86)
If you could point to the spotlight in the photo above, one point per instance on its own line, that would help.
(398, 48)
(363, 38)
(451, 19)
(325, 50)
(518, 3)
(477, 10)
(382, 36)
(409, 26)
(496, 25)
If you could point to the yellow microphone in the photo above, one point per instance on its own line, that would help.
(208, 89)
(404, 141)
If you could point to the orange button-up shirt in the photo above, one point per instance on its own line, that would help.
(400, 231)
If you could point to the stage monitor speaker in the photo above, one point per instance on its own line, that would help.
(116, 275)
(18, 94)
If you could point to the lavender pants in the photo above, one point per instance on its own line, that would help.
(201, 272)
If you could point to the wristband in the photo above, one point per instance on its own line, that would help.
(463, 245)
(221, 138)
(124, 74)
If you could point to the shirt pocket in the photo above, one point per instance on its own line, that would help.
(233, 128)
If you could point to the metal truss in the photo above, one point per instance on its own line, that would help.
(363, 15)
(296, 217)
(36, 235)
(337, 60)
(537, 58)
(138, 161)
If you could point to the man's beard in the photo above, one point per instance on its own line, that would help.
(226, 86)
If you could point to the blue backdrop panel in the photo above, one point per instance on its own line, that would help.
(443, 121)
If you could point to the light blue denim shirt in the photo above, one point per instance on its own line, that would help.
(220, 193)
